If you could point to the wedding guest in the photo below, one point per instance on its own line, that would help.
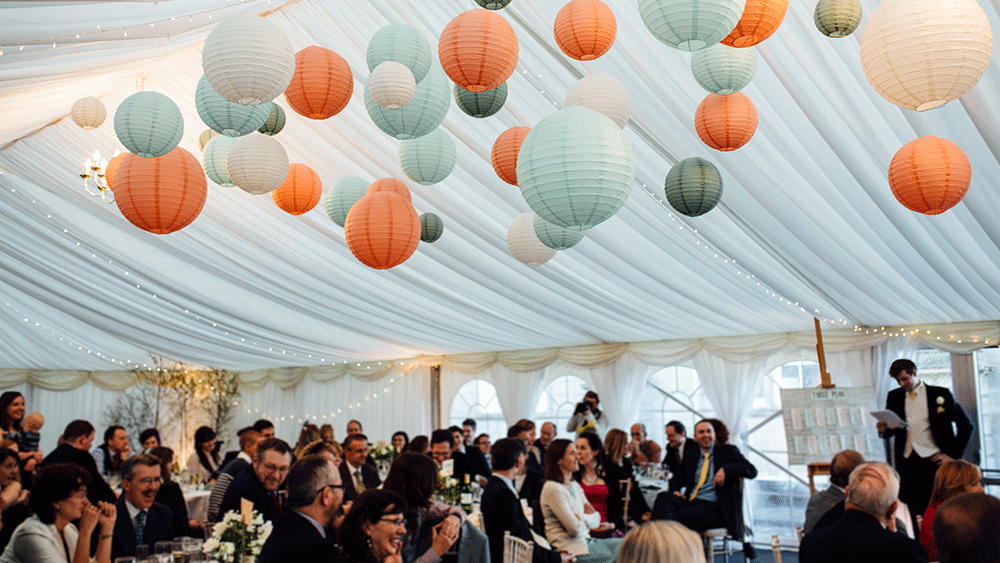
(967, 529)
(329, 450)
(11, 418)
(461, 459)
(420, 444)
(32, 433)
(529, 479)
(258, 482)
(840, 470)
(587, 417)
(326, 433)
(478, 466)
(149, 439)
(603, 493)
(400, 440)
(415, 478)
(678, 445)
(13, 497)
(953, 478)
(442, 449)
(203, 465)
(619, 468)
(109, 456)
(372, 529)
(141, 520)
(171, 496)
(357, 475)
(545, 437)
(354, 427)
(309, 434)
(535, 458)
(642, 449)
(483, 443)
(661, 542)
(75, 448)
(265, 427)
(243, 460)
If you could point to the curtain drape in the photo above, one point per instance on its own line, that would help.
(517, 392)
(620, 385)
(730, 387)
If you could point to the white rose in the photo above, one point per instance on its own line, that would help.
(210, 545)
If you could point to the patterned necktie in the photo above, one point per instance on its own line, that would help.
(140, 527)
(359, 483)
(701, 478)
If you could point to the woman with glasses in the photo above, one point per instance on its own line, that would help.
(415, 477)
(372, 530)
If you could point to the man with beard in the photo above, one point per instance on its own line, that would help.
(259, 482)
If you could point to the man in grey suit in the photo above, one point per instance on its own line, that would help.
(840, 470)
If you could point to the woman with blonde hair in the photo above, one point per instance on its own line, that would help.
(620, 467)
(661, 542)
(952, 479)
(308, 435)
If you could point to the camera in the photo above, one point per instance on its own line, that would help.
(582, 408)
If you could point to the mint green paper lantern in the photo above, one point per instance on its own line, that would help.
(215, 157)
(431, 227)
(429, 159)
(342, 196)
(722, 69)
(693, 186)
(402, 44)
(577, 168)
(554, 236)
(229, 118)
(690, 25)
(275, 122)
(149, 124)
(481, 104)
(422, 115)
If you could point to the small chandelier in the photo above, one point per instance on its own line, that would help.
(95, 167)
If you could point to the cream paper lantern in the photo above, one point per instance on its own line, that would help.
(603, 94)
(921, 54)
(524, 243)
(257, 163)
(248, 59)
(391, 85)
(88, 112)
(205, 137)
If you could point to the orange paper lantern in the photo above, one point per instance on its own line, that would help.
(585, 29)
(322, 84)
(504, 153)
(726, 123)
(478, 50)
(162, 194)
(760, 19)
(390, 185)
(930, 175)
(382, 230)
(300, 191)
(109, 170)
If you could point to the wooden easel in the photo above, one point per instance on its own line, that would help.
(820, 468)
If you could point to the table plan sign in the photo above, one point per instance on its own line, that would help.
(822, 422)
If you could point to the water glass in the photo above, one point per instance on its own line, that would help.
(142, 552)
(125, 560)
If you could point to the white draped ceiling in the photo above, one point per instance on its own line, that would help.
(807, 225)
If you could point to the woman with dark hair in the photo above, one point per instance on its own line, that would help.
(149, 439)
(371, 531)
(59, 496)
(203, 465)
(602, 492)
(415, 477)
(568, 516)
(587, 417)
(11, 418)
(12, 495)
(400, 440)
(419, 444)
(170, 494)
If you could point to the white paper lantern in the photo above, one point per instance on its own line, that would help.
(722, 69)
(921, 54)
(248, 59)
(88, 112)
(603, 94)
(257, 163)
(690, 25)
(391, 85)
(215, 160)
(524, 243)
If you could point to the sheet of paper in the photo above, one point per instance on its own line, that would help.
(890, 418)
(246, 510)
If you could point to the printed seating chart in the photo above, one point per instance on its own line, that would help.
(822, 422)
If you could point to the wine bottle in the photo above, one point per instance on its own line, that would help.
(465, 497)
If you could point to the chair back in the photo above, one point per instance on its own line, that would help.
(625, 486)
(516, 550)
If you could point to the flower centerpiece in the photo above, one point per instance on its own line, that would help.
(448, 491)
(383, 454)
(238, 538)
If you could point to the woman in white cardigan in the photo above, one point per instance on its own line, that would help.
(568, 516)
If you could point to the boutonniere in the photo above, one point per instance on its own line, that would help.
(940, 401)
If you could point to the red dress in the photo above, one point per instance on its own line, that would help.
(927, 531)
(597, 496)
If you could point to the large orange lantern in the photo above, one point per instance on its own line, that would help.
(322, 84)
(726, 123)
(930, 175)
(390, 185)
(162, 194)
(504, 153)
(585, 29)
(382, 230)
(300, 191)
(109, 170)
(760, 19)
(478, 50)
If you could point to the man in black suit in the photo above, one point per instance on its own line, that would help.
(357, 475)
(77, 439)
(678, 446)
(545, 437)
(501, 509)
(930, 439)
(713, 488)
(140, 520)
(259, 482)
(315, 494)
(866, 533)
(478, 465)
(528, 480)
(249, 438)
(443, 449)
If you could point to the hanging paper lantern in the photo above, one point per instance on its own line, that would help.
(205, 137)
(503, 155)
(215, 160)
(248, 59)
(523, 242)
(227, 117)
(585, 29)
(760, 19)
(344, 193)
(382, 230)
(431, 227)
(837, 18)
(575, 168)
(419, 117)
(722, 69)
(429, 159)
(690, 25)
(149, 124)
(390, 185)
(921, 54)
(402, 44)
(88, 112)
(275, 122)
(554, 236)
(111, 168)
(693, 186)
(391, 85)
(481, 104)
(257, 164)
(322, 84)
(603, 94)
(929, 175)
(493, 4)
(478, 50)
(160, 194)
(726, 123)
(300, 191)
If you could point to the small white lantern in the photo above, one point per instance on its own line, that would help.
(257, 163)
(524, 243)
(215, 160)
(88, 112)
(603, 94)
(248, 59)
(391, 85)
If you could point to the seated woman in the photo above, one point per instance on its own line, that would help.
(309, 434)
(661, 542)
(372, 529)
(12, 496)
(415, 476)
(400, 440)
(59, 496)
(620, 468)
(170, 494)
(568, 516)
(419, 444)
(952, 479)
(204, 464)
(149, 439)
(602, 492)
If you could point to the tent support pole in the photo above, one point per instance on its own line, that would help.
(435, 372)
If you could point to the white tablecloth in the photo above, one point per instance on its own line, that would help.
(197, 504)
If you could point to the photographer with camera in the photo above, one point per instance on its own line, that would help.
(587, 417)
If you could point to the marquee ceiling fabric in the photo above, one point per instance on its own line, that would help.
(807, 224)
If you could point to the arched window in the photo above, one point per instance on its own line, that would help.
(673, 393)
(477, 400)
(557, 402)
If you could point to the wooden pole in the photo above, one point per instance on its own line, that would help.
(824, 375)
